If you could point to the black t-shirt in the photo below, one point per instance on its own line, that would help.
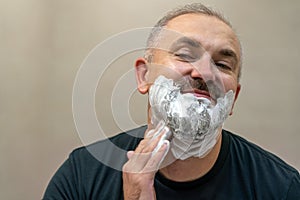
(242, 171)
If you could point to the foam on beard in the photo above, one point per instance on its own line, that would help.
(194, 122)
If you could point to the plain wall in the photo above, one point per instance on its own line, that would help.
(43, 43)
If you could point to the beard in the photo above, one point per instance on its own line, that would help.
(194, 122)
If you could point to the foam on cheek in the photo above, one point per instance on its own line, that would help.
(193, 121)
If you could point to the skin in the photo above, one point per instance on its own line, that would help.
(217, 42)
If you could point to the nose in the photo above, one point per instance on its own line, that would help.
(203, 68)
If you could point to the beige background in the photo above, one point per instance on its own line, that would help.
(43, 43)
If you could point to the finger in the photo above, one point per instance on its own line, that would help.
(155, 143)
(138, 159)
(159, 128)
(149, 144)
(167, 143)
(152, 130)
(149, 133)
(156, 159)
(165, 136)
(136, 162)
(141, 156)
(130, 154)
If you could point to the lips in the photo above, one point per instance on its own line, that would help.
(198, 93)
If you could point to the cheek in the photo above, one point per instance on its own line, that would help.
(230, 83)
(169, 70)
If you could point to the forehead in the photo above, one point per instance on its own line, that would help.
(209, 31)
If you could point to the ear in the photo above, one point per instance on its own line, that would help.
(141, 71)
(238, 89)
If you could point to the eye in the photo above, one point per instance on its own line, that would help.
(223, 66)
(185, 57)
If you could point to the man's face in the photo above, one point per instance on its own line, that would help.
(202, 48)
(192, 80)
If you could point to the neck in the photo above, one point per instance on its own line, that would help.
(192, 168)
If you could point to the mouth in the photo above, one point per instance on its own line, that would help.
(198, 93)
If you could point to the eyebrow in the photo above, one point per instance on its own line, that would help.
(229, 53)
(193, 43)
(185, 40)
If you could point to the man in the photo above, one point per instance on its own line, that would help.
(191, 72)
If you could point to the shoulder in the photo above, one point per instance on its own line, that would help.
(263, 168)
(120, 143)
(247, 148)
(92, 171)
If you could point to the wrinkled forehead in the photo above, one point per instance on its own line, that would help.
(170, 41)
(206, 32)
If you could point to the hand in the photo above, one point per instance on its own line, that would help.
(143, 163)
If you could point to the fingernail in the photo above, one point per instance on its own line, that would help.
(168, 133)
